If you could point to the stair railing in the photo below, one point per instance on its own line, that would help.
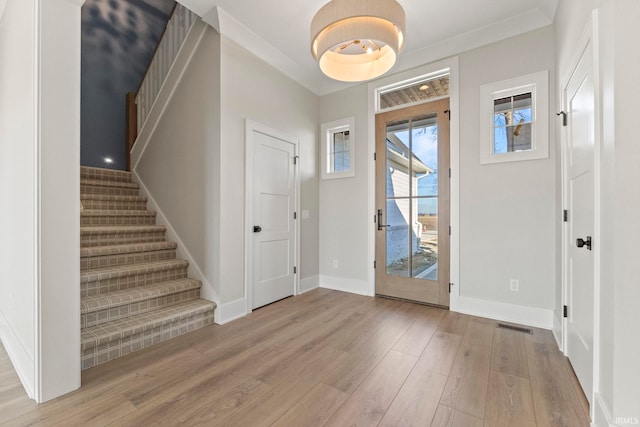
(140, 103)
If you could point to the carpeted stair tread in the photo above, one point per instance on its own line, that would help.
(89, 172)
(100, 183)
(121, 229)
(90, 304)
(112, 197)
(130, 248)
(122, 328)
(117, 212)
(131, 269)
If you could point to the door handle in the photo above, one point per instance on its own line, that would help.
(581, 243)
(257, 229)
(380, 225)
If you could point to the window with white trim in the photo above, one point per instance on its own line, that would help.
(515, 119)
(338, 149)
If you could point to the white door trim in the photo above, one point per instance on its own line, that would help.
(251, 127)
(450, 65)
(588, 40)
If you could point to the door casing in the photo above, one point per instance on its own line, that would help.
(408, 287)
(588, 40)
(251, 127)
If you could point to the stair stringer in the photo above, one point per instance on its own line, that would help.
(207, 290)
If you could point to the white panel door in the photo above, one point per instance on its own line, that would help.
(273, 217)
(579, 160)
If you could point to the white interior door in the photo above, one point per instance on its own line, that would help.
(579, 186)
(273, 229)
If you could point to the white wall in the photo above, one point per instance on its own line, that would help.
(344, 219)
(252, 89)
(17, 186)
(180, 165)
(193, 166)
(507, 210)
(39, 159)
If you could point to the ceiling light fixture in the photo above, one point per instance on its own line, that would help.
(357, 40)
(423, 87)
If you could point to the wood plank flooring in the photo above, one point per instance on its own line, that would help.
(324, 358)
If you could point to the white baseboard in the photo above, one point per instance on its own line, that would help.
(601, 413)
(309, 283)
(229, 311)
(557, 331)
(207, 292)
(22, 362)
(523, 315)
(359, 287)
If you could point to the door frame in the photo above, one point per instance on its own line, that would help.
(449, 65)
(411, 287)
(252, 126)
(589, 40)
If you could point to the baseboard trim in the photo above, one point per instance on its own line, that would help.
(557, 331)
(230, 311)
(207, 291)
(359, 287)
(20, 359)
(309, 283)
(523, 315)
(601, 413)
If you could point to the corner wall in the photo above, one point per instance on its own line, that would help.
(194, 163)
(40, 184)
(252, 89)
(18, 171)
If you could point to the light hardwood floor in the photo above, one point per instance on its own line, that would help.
(324, 358)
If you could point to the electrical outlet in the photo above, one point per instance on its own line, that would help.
(335, 263)
(514, 285)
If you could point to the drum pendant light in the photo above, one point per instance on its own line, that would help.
(357, 40)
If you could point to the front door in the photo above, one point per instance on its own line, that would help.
(579, 186)
(274, 232)
(412, 202)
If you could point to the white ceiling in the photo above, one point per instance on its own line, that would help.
(278, 30)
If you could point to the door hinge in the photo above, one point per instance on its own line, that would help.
(450, 285)
(374, 264)
(565, 311)
(449, 113)
(295, 215)
(374, 156)
(449, 230)
(449, 172)
(295, 270)
(295, 159)
(565, 215)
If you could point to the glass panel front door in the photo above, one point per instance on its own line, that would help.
(410, 189)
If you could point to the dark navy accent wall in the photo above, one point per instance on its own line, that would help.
(118, 39)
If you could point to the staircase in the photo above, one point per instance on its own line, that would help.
(134, 292)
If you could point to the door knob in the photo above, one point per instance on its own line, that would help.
(581, 243)
(257, 229)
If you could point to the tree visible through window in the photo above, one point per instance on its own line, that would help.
(512, 123)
